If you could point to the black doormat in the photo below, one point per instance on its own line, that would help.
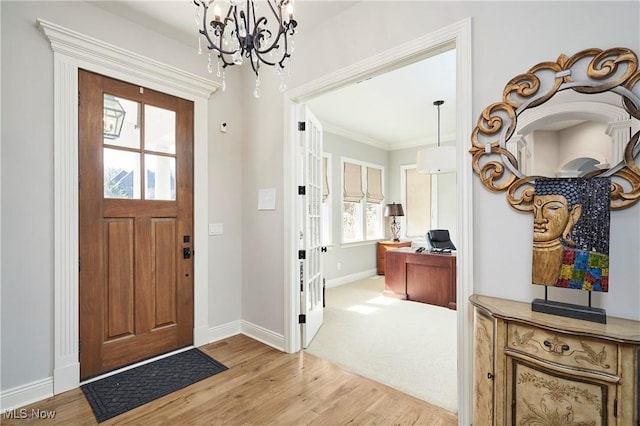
(125, 391)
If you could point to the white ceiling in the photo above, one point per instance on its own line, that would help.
(175, 19)
(393, 110)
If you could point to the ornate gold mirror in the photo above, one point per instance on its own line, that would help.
(593, 89)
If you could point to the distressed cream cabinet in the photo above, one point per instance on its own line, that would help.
(535, 369)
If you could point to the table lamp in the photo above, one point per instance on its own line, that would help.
(394, 210)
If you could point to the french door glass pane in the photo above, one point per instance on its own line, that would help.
(121, 125)
(160, 177)
(121, 174)
(159, 130)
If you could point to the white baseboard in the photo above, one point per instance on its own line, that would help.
(26, 394)
(263, 335)
(225, 330)
(256, 332)
(350, 278)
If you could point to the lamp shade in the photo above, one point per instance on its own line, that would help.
(393, 210)
(440, 159)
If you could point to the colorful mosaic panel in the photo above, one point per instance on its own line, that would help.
(584, 270)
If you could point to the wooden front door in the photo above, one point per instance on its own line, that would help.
(136, 223)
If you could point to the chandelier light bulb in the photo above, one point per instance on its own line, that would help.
(290, 11)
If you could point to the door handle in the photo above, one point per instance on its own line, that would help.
(186, 253)
(323, 249)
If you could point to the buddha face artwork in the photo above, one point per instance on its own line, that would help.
(571, 233)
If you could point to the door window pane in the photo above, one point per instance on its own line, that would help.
(121, 125)
(121, 174)
(161, 177)
(159, 130)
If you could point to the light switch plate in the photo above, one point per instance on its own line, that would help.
(216, 229)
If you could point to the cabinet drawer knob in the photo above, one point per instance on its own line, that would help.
(563, 348)
(490, 376)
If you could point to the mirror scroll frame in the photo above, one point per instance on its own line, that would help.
(588, 71)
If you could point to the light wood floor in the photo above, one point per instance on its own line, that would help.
(262, 387)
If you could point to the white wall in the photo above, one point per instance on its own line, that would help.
(584, 139)
(26, 311)
(225, 204)
(544, 153)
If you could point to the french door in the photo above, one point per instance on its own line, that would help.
(310, 225)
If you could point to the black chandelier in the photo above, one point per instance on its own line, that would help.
(240, 35)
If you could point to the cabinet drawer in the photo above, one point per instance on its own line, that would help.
(572, 351)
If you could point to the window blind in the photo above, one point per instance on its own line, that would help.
(418, 203)
(374, 185)
(325, 179)
(352, 191)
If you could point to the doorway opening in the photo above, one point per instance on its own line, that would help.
(376, 127)
(455, 36)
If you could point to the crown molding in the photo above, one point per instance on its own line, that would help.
(118, 60)
(355, 136)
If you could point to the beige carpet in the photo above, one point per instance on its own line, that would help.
(409, 346)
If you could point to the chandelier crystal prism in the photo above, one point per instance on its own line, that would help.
(240, 34)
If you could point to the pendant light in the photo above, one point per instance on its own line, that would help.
(439, 159)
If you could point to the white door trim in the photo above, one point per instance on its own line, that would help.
(73, 50)
(458, 35)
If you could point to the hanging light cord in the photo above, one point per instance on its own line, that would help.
(438, 103)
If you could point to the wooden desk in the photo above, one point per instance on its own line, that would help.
(422, 277)
(383, 246)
